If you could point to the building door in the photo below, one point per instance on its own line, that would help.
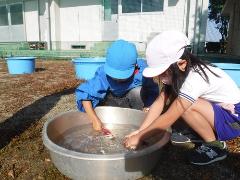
(11, 23)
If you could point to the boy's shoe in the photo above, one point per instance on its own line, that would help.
(207, 154)
(179, 138)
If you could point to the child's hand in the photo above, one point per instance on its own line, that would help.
(132, 134)
(131, 142)
(107, 133)
(145, 109)
(97, 126)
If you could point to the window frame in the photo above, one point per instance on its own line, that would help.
(145, 13)
(9, 13)
(9, 19)
(7, 16)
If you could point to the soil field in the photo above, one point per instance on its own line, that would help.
(27, 101)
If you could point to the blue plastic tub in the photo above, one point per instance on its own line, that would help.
(85, 68)
(233, 70)
(21, 65)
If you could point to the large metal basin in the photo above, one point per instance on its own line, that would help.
(76, 165)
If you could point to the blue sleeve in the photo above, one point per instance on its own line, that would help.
(93, 90)
(150, 89)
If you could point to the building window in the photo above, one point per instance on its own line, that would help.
(114, 6)
(132, 6)
(110, 7)
(137, 6)
(16, 14)
(3, 16)
(152, 5)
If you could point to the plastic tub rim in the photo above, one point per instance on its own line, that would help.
(21, 58)
(228, 66)
(89, 60)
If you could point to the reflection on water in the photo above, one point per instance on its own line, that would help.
(84, 139)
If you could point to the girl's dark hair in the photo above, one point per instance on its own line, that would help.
(178, 76)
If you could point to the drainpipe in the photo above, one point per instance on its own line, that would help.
(49, 39)
(198, 14)
(39, 26)
(187, 17)
(199, 25)
(119, 8)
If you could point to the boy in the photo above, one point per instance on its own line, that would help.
(118, 83)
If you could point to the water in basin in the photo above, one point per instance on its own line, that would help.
(85, 140)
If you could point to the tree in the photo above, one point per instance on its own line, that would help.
(215, 8)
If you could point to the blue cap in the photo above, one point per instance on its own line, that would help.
(121, 59)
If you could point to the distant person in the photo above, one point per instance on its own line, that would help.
(206, 98)
(117, 83)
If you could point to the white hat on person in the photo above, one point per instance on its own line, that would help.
(163, 50)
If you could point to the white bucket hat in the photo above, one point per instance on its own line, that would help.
(163, 50)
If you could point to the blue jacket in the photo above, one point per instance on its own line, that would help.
(97, 88)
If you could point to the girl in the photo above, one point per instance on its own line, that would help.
(204, 96)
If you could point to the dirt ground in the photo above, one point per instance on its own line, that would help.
(27, 101)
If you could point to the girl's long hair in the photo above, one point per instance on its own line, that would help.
(178, 76)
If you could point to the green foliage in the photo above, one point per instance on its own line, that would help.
(215, 8)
